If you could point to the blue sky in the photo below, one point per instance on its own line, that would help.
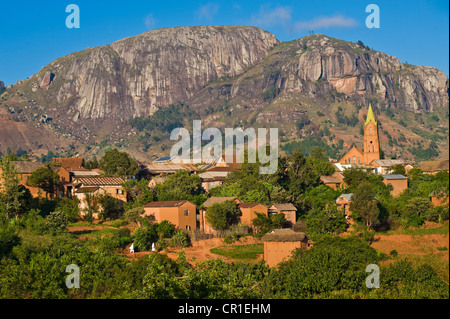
(34, 33)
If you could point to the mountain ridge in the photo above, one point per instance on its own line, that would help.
(89, 96)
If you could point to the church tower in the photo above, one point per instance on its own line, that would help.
(371, 140)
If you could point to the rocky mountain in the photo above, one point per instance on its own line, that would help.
(230, 75)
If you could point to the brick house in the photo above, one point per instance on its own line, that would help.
(111, 185)
(203, 224)
(331, 181)
(399, 183)
(280, 243)
(249, 210)
(434, 167)
(343, 203)
(288, 209)
(23, 171)
(181, 213)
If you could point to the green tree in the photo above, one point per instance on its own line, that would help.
(71, 207)
(181, 186)
(46, 179)
(144, 237)
(364, 205)
(112, 208)
(115, 163)
(222, 215)
(326, 221)
(11, 191)
(92, 206)
(264, 223)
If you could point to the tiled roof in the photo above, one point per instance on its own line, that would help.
(99, 181)
(330, 179)
(24, 167)
(249, 205)
(174, 203)
(218, 200)
(284, 206)
(71, 163)
(435, 166)
(282, 235)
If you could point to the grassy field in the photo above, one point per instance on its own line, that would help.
(240, 252)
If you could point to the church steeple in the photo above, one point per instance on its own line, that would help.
(371, 140)
(370, 117)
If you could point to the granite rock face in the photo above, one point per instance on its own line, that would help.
(134, 76)
(319, 65)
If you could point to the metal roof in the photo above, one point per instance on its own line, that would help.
(394, 176)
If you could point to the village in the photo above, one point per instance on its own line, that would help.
(75, 181)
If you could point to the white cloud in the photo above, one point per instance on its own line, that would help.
(269, 18)
(150, 21)
(282, 16)
(336, 21)
(207, 12)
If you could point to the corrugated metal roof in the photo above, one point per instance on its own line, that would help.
(348, 197)
(394, 176)
(389, 162)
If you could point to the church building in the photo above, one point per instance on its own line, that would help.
(371, 144)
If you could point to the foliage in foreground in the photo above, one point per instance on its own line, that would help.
(333, 268)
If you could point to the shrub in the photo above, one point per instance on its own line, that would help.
(393, 253)
(8, 239)
(144, 237)
(57, 222)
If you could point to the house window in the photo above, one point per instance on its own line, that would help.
(370, 130)
(119, 191)
(359, 160)
(354, 160)
(26, 183)
(188, 227)
(373, 148)
(186, 213)
(63, 179)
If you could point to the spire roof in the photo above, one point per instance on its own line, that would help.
(370, 117)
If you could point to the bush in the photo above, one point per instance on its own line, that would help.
(70, 206)
(8, 239)
(181, 239)
(57, 222)
(393, 253)
(165, 229)
(34, 222)
(144, 237)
